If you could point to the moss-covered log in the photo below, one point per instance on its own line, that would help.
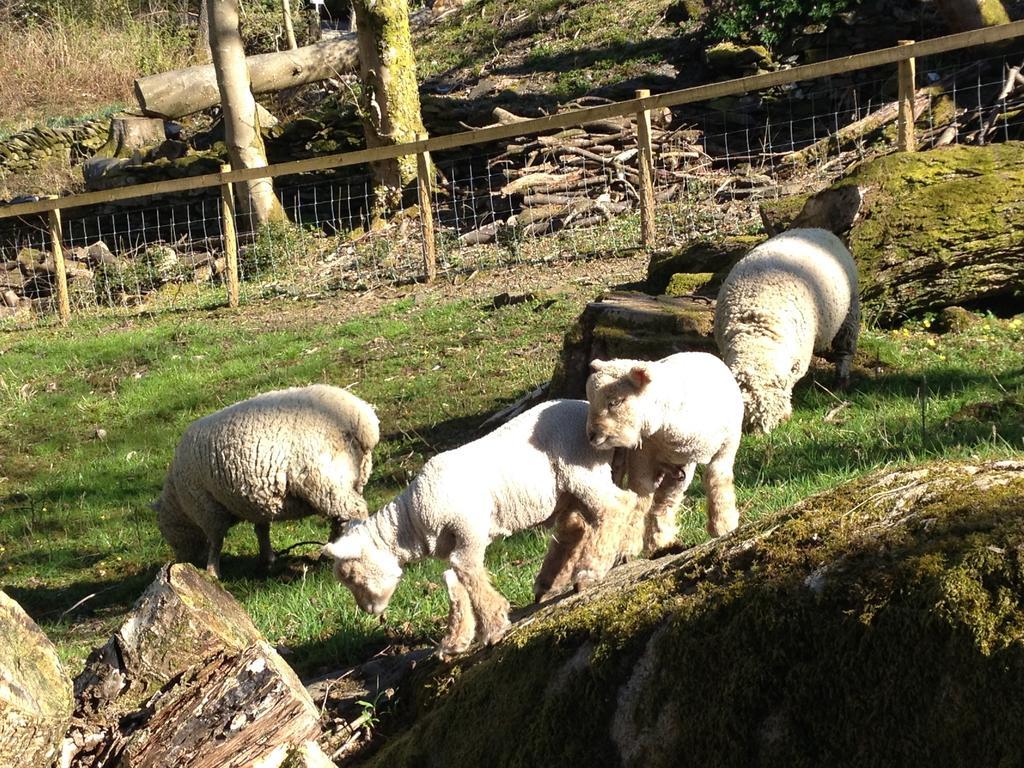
(938, 229)
(880, 623)
(634, 325)
(35, 691)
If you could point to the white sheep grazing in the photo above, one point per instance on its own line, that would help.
(676, 413)
(277, 456)
(791, 296)
(533, 468)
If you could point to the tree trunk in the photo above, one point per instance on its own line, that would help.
(964, 15)
(202, 47)
(186, 673)
(289, 30)
(180, 619)
(390, 98)
(35, 691)
(256, 198)
(129, 133)
(184, 91)
(633, 325)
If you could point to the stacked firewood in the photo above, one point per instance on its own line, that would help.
(584, 176)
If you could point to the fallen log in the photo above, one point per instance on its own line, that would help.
(847, 136)
(184, 91)
(935, 229)
(35, 691)
(232, 711)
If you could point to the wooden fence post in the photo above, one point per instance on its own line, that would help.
(424, 177)
(905, 124)
(227, 218)
(645, 164)
(56, 235)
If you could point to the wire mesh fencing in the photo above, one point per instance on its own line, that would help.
(567, 194)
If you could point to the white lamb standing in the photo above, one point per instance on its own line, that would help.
(791, 296)
(662, 418)
(277, 456)
(537, 466)
(680, 411)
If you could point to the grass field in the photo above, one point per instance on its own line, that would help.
(78, 541)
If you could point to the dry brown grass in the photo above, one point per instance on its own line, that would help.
(70, 67)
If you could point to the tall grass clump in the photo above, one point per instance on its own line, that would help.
(65, 59)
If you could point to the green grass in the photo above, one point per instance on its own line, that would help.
(78, 542)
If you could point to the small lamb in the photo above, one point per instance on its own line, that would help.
(277, 456)
(527, 472)
(677, 412)
(662, 419)
(791, 296)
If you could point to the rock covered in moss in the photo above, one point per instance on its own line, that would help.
(35, 691)
(880, 623)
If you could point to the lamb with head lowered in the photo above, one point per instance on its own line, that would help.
(793, 295)
(277, 456)
(537, 466)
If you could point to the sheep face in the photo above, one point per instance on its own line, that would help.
(615, 418)
(766, 401)
(371, 574)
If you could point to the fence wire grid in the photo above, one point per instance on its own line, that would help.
(569, 194)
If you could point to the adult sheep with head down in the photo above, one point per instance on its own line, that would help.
(791, 296)
(277, 456)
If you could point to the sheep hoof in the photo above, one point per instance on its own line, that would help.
(449, 648)
(494, 636)
(583, 580)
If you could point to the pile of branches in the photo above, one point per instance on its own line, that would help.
(584, 176)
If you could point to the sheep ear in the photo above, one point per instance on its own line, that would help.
(639, 376)
(345, 548)
(597, 365)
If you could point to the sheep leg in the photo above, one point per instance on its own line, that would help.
(263, 538)
(721, 492)
(489, 607)
(461, 622)
(844, 345)
(661, 527)
(215, 520)
(563, 551)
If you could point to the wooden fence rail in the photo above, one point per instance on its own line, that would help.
(903, 55)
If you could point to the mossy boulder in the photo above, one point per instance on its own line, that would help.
(879, 623)
(939, 228)
(733, 59)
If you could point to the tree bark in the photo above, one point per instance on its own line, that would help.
(180, 619)
(256, 198)
(184, 91)
(35, 691)
(390, 97)
(235, 709)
